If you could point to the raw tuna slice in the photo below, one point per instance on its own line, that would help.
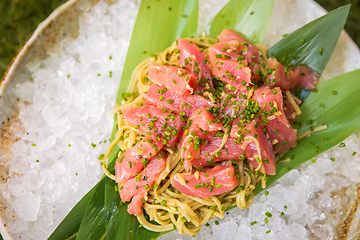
(288, 79)
(281, 133)
(213, 181)
(253, 137)
(245, 48)
(174, 78)
(133, 160)
(162, 98)
(201, 127)
(161, 124)
(137, 187)
(229, 70)
(233, 103)
(195, 62)
(230, 151)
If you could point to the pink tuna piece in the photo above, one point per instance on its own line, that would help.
(137, 187)
(304, 77)
(202, 124)
(229, 51)
(189, 54)
(213, 181)
(282, 134)
(175, 79)
(161, 98)
(233, 103)
(254, 130)
(288, 79)
(231, 151)
(229, 70)
(133, 160)
(245, 48)
(163, 125)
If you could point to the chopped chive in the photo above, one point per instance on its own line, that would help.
(122, 158)
(268, 214)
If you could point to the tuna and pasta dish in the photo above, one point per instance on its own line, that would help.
(201, 125)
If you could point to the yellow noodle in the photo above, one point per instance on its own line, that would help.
(263, 50)
(292, 102)
(153, 227)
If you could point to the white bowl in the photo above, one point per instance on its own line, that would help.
(64, 22)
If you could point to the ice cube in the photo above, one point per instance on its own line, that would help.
(27, 206)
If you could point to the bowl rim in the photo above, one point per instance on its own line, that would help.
(30, 41)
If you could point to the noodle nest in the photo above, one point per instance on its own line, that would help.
(164, 204)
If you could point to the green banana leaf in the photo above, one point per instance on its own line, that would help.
(291, 50)
(93, 223)
(69, 227)
(334, 104)
(312, 44)
(249, 17)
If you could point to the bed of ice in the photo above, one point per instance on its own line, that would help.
(65, 113)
